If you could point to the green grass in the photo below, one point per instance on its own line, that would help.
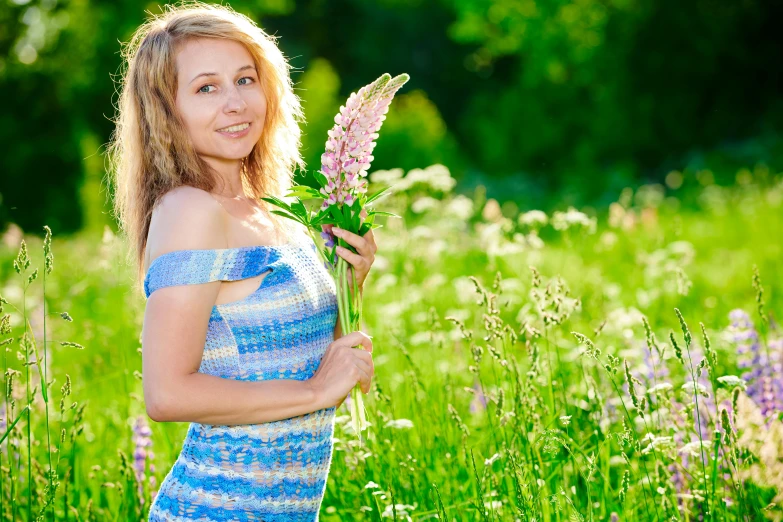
(459, 305)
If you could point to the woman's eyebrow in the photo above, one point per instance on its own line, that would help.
(243, 68)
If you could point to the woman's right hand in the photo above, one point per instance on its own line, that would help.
(342, 366)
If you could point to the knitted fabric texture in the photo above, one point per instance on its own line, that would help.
(274, 471)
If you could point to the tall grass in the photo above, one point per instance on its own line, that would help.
(587, 365)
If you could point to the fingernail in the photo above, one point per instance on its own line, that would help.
(337, 231)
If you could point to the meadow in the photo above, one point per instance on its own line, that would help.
(621, 363)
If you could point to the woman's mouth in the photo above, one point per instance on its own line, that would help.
(235, 131)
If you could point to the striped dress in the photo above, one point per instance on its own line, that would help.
(274, 471)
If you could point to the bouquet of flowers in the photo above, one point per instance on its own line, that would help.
(343, 192)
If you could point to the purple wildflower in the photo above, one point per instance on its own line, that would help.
(657, 370)
(3, 422)
(764, 375)
(707, 412)
(479, 401)
(143, 440)
(328, 239)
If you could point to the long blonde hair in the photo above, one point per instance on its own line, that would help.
(150, 152)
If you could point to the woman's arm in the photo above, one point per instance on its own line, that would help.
(206, 399)
(176, 319)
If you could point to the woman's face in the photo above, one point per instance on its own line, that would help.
(220, 99)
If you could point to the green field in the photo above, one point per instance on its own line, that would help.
(504, 340)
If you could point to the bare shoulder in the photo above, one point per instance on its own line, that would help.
(185, 218)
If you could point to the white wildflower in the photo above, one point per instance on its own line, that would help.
(493, 458)
(387, 177)
(460, 207)
(732, 381)
(401, 509)
(694, 448)
(658, 388)
(399, 424)
(700, 388)
(573, 218)
(423, 204)
(656, 443)
(533, 219)
(436, 177)
(494, 505)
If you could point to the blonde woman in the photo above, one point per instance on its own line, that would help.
(241, 336)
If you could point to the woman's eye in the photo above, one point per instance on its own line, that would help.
(201, 90)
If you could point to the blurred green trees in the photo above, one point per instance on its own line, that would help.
(545, 102)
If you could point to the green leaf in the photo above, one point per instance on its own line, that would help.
(379, 213)
(304, 192)
(356, 218)
(319, 218)
(338, 217)
(320, 178)
(367, 225)
(287, 215)
(277, 202)
(347, 216)
(377, 195)
(298, 208)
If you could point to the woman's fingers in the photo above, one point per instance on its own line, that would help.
(366, 380)
(354, 339)
(365, 366)
(360, 243)
(359, 262)
(370, 238)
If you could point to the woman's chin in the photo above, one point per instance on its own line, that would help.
(233, 153)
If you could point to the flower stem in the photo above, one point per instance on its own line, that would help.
(349, 321)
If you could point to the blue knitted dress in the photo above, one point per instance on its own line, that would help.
(274, 471)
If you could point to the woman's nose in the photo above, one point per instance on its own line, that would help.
(234, 100)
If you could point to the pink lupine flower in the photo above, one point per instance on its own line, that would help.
(344, 201)
(352, 139)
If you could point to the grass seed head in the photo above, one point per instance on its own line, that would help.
(759, 293)
(677, 349)
(686, 333)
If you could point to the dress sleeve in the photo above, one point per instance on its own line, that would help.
(188, 267)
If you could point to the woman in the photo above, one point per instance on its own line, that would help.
(241, 315)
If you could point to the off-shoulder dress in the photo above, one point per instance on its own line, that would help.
(275, 471)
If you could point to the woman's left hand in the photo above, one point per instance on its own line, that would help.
(364, 245)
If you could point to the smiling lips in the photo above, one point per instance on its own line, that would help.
(234, 129)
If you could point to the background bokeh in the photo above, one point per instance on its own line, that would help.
(546, 103)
